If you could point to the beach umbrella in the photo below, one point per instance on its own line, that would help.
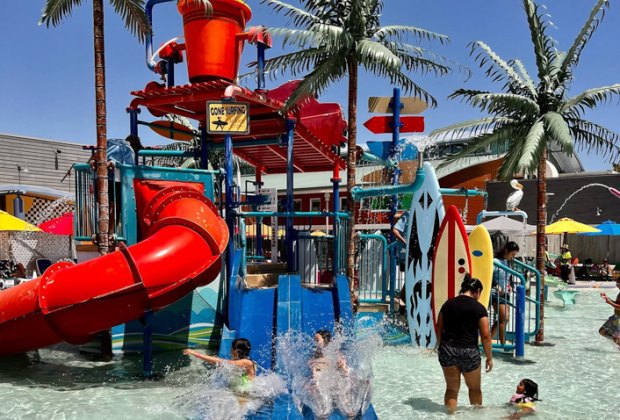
(62, 225)
(10, 223)
(567, 225)
(608, 228)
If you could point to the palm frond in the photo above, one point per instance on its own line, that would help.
(571, 59)
(55, 11)
(543, 44)
(595, 138)
(510, 166)
(591, 98)
(498, 137)
(496, 68)
(505, 104)
(298, 16)
(416, 59)
(558, 130)
(132, 13)
(404, 33)
(469, 129)
(330, 70)
(368, 51)
(525, 76)
(530, 152)
(297, 62)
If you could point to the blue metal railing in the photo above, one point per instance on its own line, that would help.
(514, 336)
(531, 302)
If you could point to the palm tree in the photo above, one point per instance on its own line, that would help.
(335, 38)
(527, 117)
(132, 12)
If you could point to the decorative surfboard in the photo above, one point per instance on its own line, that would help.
(451, 260)
(425, 216)
(481, 250)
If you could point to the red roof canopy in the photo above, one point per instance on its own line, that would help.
(318, 126)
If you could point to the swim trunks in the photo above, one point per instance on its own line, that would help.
(467, 359)
(612, 326)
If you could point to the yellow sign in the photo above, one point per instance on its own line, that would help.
(228, 118)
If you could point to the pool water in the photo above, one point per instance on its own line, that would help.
(577, 377)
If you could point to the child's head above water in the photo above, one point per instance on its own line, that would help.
(323, 337)
(240, 348)
(528, 388)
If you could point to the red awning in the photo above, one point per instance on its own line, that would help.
(317, 129)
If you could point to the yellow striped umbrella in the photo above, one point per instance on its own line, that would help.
(10, 223)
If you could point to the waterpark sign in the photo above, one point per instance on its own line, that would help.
(228, 117)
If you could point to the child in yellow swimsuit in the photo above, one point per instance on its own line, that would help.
(525, 398)
(240, 351)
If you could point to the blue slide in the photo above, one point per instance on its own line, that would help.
(263, 315)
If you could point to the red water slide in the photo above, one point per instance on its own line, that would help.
(184, 240)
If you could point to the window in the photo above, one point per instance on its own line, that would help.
(343, 203)
(315, 204)
(297, 204)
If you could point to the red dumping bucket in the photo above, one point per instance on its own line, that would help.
(213, 49)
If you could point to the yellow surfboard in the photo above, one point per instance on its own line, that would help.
(481, 250)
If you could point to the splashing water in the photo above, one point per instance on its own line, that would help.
(338, 377)
(596, 184)
(222, 395)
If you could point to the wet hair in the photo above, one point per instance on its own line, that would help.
(510, 246)
(327, 337)
(531, 389)
(243, 347)
(471, 284)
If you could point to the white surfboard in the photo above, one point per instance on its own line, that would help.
(425, 217)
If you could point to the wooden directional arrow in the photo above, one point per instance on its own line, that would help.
(383, 124)
(383, 105)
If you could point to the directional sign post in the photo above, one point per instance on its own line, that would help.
(383, 105)
(228, 117)
(384, 124)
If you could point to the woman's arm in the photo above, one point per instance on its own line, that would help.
(485, 335)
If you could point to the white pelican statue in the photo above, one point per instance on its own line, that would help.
(515, 197)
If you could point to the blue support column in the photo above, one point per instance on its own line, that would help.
(230, 205)
(170, 72)
(147, 344)
(133, 126)
(396, 105)
(260, 65)
(520, 323)
(290, 138)
(204, 149)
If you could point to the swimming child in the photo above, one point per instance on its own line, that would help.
(240, 351)
(525, 398)
(611, 328)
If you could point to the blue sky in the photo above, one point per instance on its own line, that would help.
(47, 87)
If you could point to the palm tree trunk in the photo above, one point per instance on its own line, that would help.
(351, 158)
(100, 109)
(541, 221)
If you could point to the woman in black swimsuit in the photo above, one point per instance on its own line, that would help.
(460, 321)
